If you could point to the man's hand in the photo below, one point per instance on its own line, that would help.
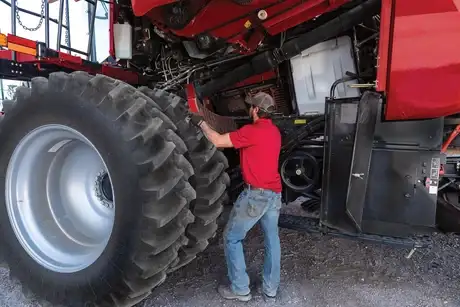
(219, 140)
(196, 119)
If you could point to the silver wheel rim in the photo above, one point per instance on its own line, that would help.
(59, 198)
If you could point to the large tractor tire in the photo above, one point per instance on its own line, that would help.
(97, 203)
(211, 180)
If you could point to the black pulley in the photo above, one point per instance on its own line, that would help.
(300, 171)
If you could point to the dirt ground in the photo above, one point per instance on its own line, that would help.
(322, 272)
(316, 272)
(319, 271)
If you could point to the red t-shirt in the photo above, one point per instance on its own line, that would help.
(260, 145)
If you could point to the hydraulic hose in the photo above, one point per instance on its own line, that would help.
(294, 139)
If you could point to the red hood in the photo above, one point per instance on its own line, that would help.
(141, 7)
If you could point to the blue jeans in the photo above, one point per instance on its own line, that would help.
(250, 207)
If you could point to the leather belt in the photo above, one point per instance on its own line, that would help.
(253, 188)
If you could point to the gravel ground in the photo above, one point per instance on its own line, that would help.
(316, 271)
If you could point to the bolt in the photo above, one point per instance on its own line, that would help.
(262, 14)
(407, 195)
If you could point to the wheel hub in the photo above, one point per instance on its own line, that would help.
(59, 198)
(103, 189)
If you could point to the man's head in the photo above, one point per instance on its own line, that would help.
(261, 104)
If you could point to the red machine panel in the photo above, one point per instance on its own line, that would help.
(244, 25)
(420, 58)
(141, 7)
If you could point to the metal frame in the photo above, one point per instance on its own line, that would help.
(391, 170)
(89, 53)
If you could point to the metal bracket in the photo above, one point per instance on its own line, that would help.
(17, 71)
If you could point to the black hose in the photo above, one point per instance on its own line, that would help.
(271, 59)
(337, 82)
(331, 29)
(259, 64)
(293, 140)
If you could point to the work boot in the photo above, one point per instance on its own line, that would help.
(267, 298)
(228, 294)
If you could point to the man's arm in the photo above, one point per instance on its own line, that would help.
(219, 140)
(240, 138)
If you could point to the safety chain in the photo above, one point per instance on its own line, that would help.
(67, 22)
(40, 22)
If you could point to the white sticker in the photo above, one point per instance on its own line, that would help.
(58, 145)
(433, 190)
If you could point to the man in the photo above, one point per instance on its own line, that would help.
(260, 145)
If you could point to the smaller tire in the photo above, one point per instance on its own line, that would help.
(210, 179)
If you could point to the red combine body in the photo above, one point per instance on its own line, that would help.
(107, 186)
(419, 62)
(243, 23)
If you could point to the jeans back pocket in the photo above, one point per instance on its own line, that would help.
(257, 204)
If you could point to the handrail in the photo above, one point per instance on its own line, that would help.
(63, 9)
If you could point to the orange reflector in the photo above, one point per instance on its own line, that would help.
(22, 49)
(3, 40)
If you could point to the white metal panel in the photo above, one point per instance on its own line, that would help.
(317, 68)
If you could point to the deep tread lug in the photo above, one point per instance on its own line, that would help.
(210, 214)
(164, 237)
